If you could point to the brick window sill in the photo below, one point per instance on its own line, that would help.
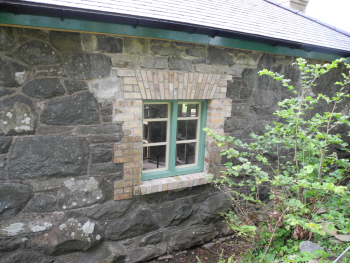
(171, 183)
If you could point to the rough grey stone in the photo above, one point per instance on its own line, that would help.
(197, 51)
(48, 71)
(258, 129)
(27, 223)
(166, 48)
(110, 210)
(67, 41)
(80, 108)
(74, 86)
(17, 116)
(343, 238)
(42, 203)
(266, 61)
(309, 246)
(6, 38)
(89, 42)
(32, 33)
(186, 238)
(219, 56)
(3, 174)
(43, 129)
(263, 103)
(246, 93)
(125, 60)
(101, 156)
(176, 212)
(179, 63)
(8, 244)
(25, 256)
(152, 239)
(144, 253)
(233, 88)
(112, 252)
(233, 124)
(45, 185)
(102, 129)
(48, 156)
(37, 53)
(211, 209)
(5, 143)
(136, 45)
(131, 225)
(239, 110)
(210, 68)
(6, 92)
(13, 197)
(105, 168)
(83, 192)
(155, 62)
(46, 88)
(110, 44)
(72, 235)
(105, 138)
(3, 162)
(87, 66)
(10, 73)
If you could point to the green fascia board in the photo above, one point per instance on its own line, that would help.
(72, 24)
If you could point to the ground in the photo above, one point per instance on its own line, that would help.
(221, 248)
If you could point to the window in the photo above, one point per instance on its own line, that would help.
(173, 139)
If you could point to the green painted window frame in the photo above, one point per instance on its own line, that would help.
(172, 170)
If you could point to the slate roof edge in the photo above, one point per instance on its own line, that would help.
(140, 18)
(308, 17)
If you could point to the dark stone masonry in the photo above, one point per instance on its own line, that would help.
(57, 131)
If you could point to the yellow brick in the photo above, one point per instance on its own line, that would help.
(132, 176)
(137, 158)
(123, 159)
(128, 88)
(137, 182)
(134, 110)
(118, 153)
(123, 146)
(133, 95)
(137, 103)
(137, 131)
(127, 190)
(132, 124)
(122, 184)
(122, 196)
(133, 139)
(133, 165)
(118, 191)
(128, 81)
(132, 152)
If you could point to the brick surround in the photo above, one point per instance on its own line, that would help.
(140, 85)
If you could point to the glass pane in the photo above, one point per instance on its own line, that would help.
(187, 110)
(186, 130)
(154, 131)
(154, 157)
(185, 153)
(151, 111)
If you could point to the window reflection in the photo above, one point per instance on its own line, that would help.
(185, 153)
(152, 111)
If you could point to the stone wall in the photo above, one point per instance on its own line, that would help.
(59, 97)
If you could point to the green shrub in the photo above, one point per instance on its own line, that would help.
(293, 161)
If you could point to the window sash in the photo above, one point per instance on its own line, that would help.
(172, 141)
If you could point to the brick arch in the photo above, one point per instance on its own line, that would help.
(139, 85)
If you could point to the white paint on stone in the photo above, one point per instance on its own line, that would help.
(88, 227)
(72, 235)
(62, 227)
(22, 128)
(20, 77)
(14, 228)
(98, 237)
(26, 120)
(9, 114)
(74, 203)
(37, 228)
(106, 89)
